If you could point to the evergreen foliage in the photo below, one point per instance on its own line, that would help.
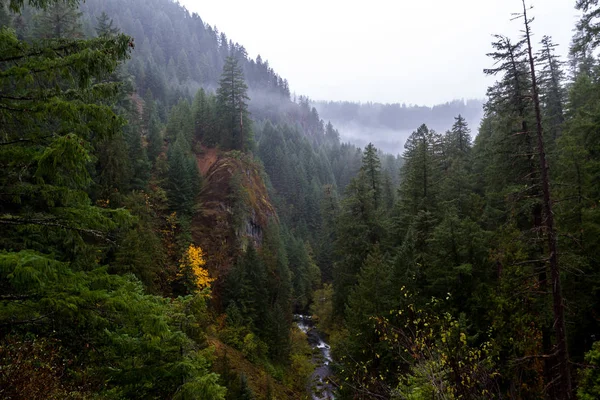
(232, 107)
(138, 235)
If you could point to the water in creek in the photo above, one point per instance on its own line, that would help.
(321, 389)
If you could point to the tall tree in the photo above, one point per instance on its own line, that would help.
(371, 166)
(232, 107)
(588, 26)
(151, 127)
(60, 20)
(104, 26)
(183, 183)
(563, 380)
(420, 172)
(551, 92)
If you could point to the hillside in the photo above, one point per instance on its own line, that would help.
(388, 126)
(176, 225)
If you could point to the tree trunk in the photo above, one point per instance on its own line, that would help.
(563, 381)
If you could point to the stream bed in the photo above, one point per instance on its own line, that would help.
(321, 389)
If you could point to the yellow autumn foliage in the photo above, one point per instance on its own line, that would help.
(192, 265)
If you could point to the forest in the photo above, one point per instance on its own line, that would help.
(176, 223)
(388, 126)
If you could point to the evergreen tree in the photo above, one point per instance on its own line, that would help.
(151, 127)
(552, 94)
(137, 156)
(459, 138)
(183, 181)
(278, 319)
(457, 186)
(371, 166)
(359, 228)
(104, 26)
(52, 158)
(247, 291)
(562, 384)
(371, 298)
(420, 174)
(204, 118)
(60, 20)
(183, 66)
(232, 107)
(588, 27)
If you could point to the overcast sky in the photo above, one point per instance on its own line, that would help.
(412, 51)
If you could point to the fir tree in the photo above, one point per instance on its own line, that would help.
(232, 107)
(151, 127)
(183, 182)
(104, 26)
(371, 166)
(552, 94)
(60, 20)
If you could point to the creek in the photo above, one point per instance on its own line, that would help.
(321, 389)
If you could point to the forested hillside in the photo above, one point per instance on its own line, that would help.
(388, 126)
(167, 207)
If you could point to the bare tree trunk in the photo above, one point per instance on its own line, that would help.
(563, 381)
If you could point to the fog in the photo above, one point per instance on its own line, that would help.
(388, 126)
(419, 52)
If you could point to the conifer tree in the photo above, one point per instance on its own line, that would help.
(371, 166)
(359, 228)
(183, 183)
(151, 127)
(53, 158)
(563, 379)
(371, 298)
(203, 108)
(104, 26)
(459, 138)
(232, 107)
(588, 27)
(552, 94)
(419, 174)
(456, 185)
(60, 20)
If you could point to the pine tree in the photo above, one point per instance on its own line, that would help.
(203, 108)
(552, 94)
(151, 127)
(373, 297)
(276, 327)
(588, 27)
(232, 107)
(183, 181)
(183, 66)
(359, 228)
(47, 165)
(137, 155)
(456, 185)
(563, 379)
(246, 289)
(419, 175)
(371, 166)
(459, 138)
(60, 20)
(104, 26)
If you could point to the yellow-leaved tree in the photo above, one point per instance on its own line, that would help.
(192, 271)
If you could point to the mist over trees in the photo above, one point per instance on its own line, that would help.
(389, 125)
(168, 207)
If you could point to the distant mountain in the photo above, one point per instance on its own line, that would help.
(176, 53)
(389, 125)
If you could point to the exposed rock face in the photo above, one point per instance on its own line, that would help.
(234, 208)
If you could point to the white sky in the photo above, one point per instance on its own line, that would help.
(417, 51)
